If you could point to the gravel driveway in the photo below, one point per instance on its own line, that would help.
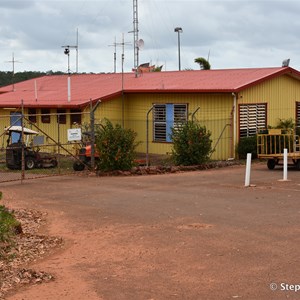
(192, 235)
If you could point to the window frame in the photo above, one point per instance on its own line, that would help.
(75, 116)
(32, 115)
(254, 118)
(61, 116)
(45, 115)
(167, 116)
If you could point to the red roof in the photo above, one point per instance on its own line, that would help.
(52, 91)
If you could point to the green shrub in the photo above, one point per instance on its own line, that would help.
(191, 144)
(287, 125)
(247, 145)
(116, 146)
(8, 224)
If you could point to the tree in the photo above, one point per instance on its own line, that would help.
(157, 68)
(8, 77)
(203, 63)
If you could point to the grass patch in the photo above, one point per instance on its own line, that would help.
(8, 228)
(65, 166)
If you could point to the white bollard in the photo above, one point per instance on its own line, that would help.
(248, 169)
(285, 164)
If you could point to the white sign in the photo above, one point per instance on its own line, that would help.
(74, 134)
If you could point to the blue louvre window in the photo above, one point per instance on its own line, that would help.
(166, 117)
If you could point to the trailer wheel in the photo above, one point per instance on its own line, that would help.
(29, 163)
(271, 164)
(78, 166)
(298, 165)
(54, 163)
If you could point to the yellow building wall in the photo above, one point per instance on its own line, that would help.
(111, 110)
(212, 111)
(280, 94)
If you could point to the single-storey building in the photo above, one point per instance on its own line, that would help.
(231, 103)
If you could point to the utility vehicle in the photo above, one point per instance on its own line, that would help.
(33, 158)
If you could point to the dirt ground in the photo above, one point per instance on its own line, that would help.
(191, 235)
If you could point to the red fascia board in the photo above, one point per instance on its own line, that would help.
(38, 105)
(184, 91)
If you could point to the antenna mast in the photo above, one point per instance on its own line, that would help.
(13, 61)
(135, 36)
(67, 52)
(115, 55)
(77, 51)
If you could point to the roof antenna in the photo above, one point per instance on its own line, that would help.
(67, 52)
(137, 44)
(286, 63)
(13, 61)
(135, 35)
(208, 55)
(115, 55)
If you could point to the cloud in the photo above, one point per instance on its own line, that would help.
(236, 33)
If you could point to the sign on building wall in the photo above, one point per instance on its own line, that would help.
(74, 134)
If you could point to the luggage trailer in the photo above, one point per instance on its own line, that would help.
(271, 146)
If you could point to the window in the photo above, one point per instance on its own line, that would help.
(298, 115)
(32, 115)
(252, 118)
(166, 117)
(61, 116)
(75, 116)
(45, 115)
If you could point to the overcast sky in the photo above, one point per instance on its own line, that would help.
(233, 34)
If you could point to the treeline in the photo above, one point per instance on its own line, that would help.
(7, 78)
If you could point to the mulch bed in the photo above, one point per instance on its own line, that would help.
(26, 247)
(161, 169)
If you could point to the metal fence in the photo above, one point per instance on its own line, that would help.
(55, 152)
(30, 149)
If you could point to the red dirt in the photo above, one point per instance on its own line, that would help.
(193, 235)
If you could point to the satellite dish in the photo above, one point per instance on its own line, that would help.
(140, 44)
(286, 63)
